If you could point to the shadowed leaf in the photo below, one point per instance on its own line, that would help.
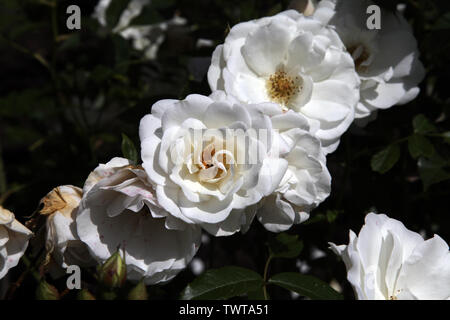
(384, 160)
(223, 283)
(307, 286)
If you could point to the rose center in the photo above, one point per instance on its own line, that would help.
(282, 87)
(212, 168)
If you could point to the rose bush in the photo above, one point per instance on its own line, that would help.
(285, 89)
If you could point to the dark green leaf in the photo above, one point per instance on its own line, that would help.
(329, 216)
(418, 146)
(432, 171)
(384, 160)
(223, 283)
(285, 246)
(114, 11)
(422, 125)
(307, 286)
(139, 292)
(129, 150)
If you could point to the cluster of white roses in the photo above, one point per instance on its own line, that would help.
(284, 90)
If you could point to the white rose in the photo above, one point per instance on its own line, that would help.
(14, 239)
(62, 241)
(208, 160)
(387, 60)
(147, 38)
(121, 210)
(306, 182)
(104, 171)
(294, 61)
(387, 261)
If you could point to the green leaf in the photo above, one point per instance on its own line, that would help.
(384, 160)
(432, 171)
(418, 146)
(422, 125)
(307, 286)
(114, 11)
(223, 283)
(129, 150)
(46, 291)
(285, 246)
(139, 292)
(330, 216)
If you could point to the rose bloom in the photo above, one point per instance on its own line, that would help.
(14, 239)
(386, 261)
(306, 182)
(62, 242)
(207, 158)
(121, 211)
(386, 59)
(294, 61)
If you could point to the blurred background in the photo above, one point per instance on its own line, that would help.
(67, 97)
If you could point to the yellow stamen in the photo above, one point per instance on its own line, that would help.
(281, 87)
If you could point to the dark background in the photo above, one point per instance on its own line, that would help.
(66, 97)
